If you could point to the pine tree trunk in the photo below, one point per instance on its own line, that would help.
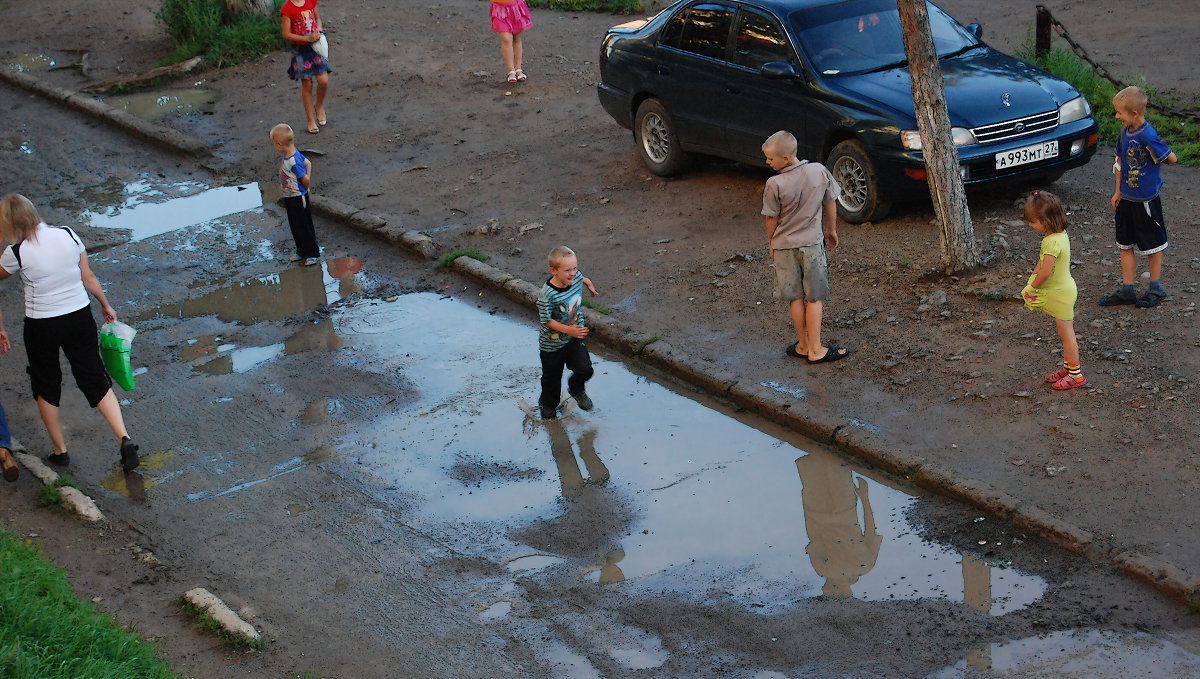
(959, 251)
(263, 7)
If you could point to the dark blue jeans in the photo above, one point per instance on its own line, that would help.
(574, 356)
(5, 437)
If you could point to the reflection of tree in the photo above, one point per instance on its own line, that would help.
(841, 551)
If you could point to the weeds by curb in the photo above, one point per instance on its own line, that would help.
(214, 627)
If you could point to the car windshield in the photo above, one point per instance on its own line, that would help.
(860, 36)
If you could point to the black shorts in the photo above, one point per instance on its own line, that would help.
(1141, 225)
(74, 333)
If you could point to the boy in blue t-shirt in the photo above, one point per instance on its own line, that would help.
(1139, 216)
(562, 332)
(294, 173)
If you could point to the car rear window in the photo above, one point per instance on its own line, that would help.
(700, 29)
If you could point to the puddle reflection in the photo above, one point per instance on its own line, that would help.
(157, 105)
(131, 208)
(716, 508)
(1078, 654)
(23, 63)
(278, 297)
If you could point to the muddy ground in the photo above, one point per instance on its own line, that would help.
(422, 130)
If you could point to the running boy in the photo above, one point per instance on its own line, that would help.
(294, 173)
(801, 219)
(562, 333)
(1139, 215)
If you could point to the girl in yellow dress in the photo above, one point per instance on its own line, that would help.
(1051, 288)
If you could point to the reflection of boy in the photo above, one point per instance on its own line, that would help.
(562, 332)
(841, 551)
(1139, 217)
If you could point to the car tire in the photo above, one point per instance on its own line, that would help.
(855, 173)
(657, 142)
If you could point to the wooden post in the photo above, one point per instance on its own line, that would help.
(1041, 44)
(959, 251)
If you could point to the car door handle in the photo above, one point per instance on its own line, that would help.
(662, 69)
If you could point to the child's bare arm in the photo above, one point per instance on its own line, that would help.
(576, 331)
(307, 173)
(587, 283)
(1042, 271)
(1171, 159)
(772, 224)
(292, 37)
(1116, 197)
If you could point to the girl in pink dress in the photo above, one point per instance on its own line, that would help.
(510, 19)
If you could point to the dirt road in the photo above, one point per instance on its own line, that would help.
(423, 130)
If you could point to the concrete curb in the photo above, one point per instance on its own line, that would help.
(159, 134)
(230, 622)
(852, 438)
(79, 503)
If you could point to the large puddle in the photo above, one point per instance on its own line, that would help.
(703, 497)
(149, 208)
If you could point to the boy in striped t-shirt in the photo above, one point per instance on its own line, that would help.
(562, 333)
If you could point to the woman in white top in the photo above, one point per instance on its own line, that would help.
(53, 264)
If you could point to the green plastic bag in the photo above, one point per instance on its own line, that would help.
(116, 340)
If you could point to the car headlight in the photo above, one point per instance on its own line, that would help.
(911, 139)
(1076, 109)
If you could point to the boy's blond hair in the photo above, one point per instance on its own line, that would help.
(283, 133)
(1132, 99)
(782, 143)
(18, 218)
(558, 254)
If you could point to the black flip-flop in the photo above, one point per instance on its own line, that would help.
(835, 353)
(791, 351)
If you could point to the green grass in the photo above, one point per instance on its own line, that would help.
(1181, 135)
(234, 641)
(447, 259)
(642, 344)
(611, 6)
(48, 495)
(592, 304)
(47, 632)
(197, 27)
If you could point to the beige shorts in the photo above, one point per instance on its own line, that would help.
(802, 273)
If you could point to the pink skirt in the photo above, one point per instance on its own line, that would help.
(510, 17)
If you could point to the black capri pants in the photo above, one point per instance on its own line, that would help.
(75, 333)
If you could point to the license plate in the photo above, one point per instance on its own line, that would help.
(1026, 154)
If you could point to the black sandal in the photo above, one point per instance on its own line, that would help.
(1151, 298)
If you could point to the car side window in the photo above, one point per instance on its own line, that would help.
(700, 29)
(759, 40)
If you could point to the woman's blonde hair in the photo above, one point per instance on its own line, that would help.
(18, 218)
(1046, 208)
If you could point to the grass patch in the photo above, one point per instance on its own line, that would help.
(1181, 135)
(447, 259)
(47, 632)
(592, 304)
(48, 495)
(990, 296)
(234, 641)
(198, 27)
(610, 6)
(642, 344)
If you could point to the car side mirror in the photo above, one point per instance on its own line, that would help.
(779, 70)
(975, 30)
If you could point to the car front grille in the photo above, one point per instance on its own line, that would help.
(1011, 129)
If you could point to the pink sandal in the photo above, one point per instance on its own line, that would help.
(1069, 382)
(1056, 376)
